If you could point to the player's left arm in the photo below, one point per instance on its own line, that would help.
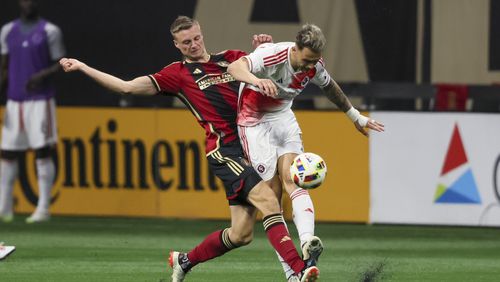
(56, 50)
(335, 94)
(38, 78)
(240, 70)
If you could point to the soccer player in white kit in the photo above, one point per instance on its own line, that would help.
(271, 137)
(30, 48)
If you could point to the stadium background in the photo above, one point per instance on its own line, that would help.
(388, 55)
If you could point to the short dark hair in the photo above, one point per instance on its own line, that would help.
(312, 37)
(182, 23)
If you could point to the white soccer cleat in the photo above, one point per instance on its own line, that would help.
(311, 250)
(6, 218)
(6, 250)
(293, 278)
(178, 274)
(310, 274)
(37, 217)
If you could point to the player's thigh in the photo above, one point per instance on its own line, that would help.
(275, 184)
(242, 223)
(41, 123)
(258, 146)
(14, 136)
(289, 139)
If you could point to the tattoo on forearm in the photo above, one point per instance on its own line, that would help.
(337, 96)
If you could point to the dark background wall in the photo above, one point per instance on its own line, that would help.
(125, 38)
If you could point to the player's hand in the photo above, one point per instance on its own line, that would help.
(70, 65)
(267, 87)
(370, 124)
(261, 39)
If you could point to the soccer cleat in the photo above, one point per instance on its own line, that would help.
(310, 274)
(178, 273)
(293, 278)
(37, 217)
(311, 250)
(6, 250)
(6, 218)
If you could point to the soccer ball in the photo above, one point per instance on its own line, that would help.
(308, 170)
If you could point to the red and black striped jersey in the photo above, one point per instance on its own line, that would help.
(209, 91)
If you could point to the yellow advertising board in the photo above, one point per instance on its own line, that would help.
(151, 162)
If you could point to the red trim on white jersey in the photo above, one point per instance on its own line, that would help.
(276, 58)
(322, 62)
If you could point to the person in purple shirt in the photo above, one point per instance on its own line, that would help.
(30, 49)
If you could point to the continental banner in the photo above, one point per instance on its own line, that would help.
(151, 162)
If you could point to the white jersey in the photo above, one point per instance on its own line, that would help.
(272, 61)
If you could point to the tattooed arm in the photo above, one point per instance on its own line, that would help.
(335, 94)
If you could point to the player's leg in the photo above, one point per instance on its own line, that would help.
(8, 175)
(14, 141)
(260, 144)
(218, 243)
(263, 198)
(302, 205)
(46, 175)
(228, 164)
(42, 136)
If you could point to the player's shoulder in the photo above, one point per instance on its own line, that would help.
(229, 51)
(7, 27)
(174, 65)
(273, 48)
(51, 27)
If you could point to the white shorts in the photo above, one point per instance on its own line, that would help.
(29, 125)
(265, 142)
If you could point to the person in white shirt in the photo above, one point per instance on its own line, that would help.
(275, 74)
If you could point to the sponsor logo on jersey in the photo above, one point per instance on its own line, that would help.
(213, 79)
(223, 64)
(261, 168)
(305, 81)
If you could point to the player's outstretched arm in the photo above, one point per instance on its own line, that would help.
(337, 96)
(240, 70)
(141, 85)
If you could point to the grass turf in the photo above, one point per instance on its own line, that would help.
(123, 249)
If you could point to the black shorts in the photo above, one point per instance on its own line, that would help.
(239, 177)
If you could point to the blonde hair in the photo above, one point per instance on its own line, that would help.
(312, 37)
(182, 23)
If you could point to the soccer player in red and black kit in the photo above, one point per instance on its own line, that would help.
(203, 84)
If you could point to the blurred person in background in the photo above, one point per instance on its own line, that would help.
(201, 81)
(271, 137)
(30, 48)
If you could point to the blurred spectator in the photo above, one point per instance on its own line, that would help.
(30, 48)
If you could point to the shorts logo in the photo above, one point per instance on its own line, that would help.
(261, 168)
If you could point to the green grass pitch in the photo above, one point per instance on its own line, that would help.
(124, 249)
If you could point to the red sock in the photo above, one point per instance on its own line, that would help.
(214, 245)
(282, 242)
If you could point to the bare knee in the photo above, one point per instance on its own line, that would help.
(264, 199)
(289, 185)
(241, 239)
